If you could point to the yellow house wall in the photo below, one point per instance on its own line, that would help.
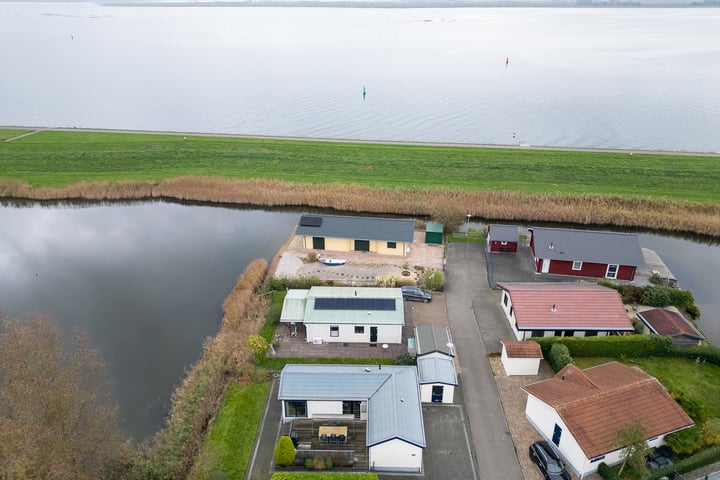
(348, 245)
(381, 247)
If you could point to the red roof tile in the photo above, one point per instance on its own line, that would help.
(595, 403)
(567, 306)
(666, 322)
(517, 349)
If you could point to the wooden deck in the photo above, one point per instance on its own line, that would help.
(306, 433)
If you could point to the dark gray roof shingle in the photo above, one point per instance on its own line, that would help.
(587, 246)
(361, 228)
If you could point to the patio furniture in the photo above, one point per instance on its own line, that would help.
(294, 438)
(328, 430)
(333, 439)
(341, 438)
(323, 438)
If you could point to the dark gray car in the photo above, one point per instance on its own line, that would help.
(417, 294)
(548, 461)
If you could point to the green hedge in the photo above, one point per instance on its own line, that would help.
(656, 296)
(699, 460)
(703, 353)
(615, 346)
(323, 476)
(607, 472)
(559, 356)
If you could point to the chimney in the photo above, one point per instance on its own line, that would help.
(553, 308)
(562, 379)
(551, 246)
(379, 366)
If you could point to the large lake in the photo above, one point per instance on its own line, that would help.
(628, 78)
(147, 281)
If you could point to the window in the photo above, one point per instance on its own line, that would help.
(391, 244)
(505, 298)
(577, 266)
(296, 408)
(360, 330)
(612, 271)
(511, 311)
(557, 433)
(351, 408)
(334, 331)
(504, 242)
(537, 333)
(591, 333)
(597, 459)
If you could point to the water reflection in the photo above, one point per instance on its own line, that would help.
(146, 281)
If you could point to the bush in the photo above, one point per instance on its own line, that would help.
(328, 463)
(284, 452)
(309, 463)
(711, 431)
(312, 256)
(686, 441)
(614, 346)
(607, 472)
(656, 296)
(434, 280)
(559, 356)
(694, 407)
(404, 359)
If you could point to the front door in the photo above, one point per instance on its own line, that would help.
(373, 334)
(545, 265)
(319, 243)
(437, 394)
(362, 245)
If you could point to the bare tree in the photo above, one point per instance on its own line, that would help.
(633, 439)
(57, 418)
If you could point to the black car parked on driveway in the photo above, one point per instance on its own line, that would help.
(417, 294)
(548, 461)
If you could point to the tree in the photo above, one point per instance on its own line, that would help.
(686, 441)
(57, 419)
(285, 451)
(257, 344)
(633, 440)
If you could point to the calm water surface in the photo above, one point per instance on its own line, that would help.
(632, 78)
(146, 280)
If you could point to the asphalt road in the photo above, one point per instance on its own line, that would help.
(476, 324)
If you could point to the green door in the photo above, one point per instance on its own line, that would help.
(319, 243)
(373, 334)
(362, 245)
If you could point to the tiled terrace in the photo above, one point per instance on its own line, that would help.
(306, 433)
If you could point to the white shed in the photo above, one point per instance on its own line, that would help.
(437, 378)
(521, 358)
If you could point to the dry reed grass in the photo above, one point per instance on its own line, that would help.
(447, 205)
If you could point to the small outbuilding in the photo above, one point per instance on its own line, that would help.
(434, 233)
(667, 322)
(433, 340)
(521, 358)
(437, 378)
(503, 238)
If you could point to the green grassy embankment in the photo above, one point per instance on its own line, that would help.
(59, 158)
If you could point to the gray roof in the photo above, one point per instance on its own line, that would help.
(293, 309)
(394, 409)
(437, 370)
(355, 317)
(360, 228)
(587, 246)
(433, 338)
(504, 233)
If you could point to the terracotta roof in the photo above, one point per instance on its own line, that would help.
(517, 349)
(666, 322)
(577, 306)
(595, 403)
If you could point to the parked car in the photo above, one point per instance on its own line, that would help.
(417, 294)
(548, 462)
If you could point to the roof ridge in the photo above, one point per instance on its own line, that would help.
(611, 391)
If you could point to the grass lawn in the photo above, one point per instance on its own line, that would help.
(229, 444)
(466, 237)
(701, 381)
(56, 158)
(5, 134)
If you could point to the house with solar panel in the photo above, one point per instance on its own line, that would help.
(387, 236)
(586, 253)
(346, 314)
(563, 310)
(364, 416)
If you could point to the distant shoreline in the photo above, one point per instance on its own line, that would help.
(410, 4)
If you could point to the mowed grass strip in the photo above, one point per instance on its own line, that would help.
(60, 158)
(230, 443)
(5, 134)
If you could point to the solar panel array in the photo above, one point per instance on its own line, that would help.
(354, 303)
(310, 221)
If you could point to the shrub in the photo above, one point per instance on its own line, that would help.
(656, 296)
(614, 346)
(686, 441)
(309, 463)
(711, 431)
(607, 472)
(312, 256)
(694, 407)
(318, 463)
(435, 280)
(559, 356)
(700, 459)
(389, 281)
(404, 359)
(328, 463)
(284, 452)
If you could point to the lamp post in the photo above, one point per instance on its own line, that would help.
(467, 225)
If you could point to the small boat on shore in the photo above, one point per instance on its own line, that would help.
(332, 262)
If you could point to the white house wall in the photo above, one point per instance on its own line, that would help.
(426, 392)
(396, 455)
(520, 366)
(511, 318)
(346, 333)
(316, 408)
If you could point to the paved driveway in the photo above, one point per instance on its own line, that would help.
(475, 318)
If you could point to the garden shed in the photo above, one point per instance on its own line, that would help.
(503, 238)
(434, 233)
(521, 358)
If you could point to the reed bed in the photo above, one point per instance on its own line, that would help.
(446, 205)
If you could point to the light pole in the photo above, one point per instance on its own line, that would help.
(467, 225)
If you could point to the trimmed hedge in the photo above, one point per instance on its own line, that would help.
(615, 346)
(559, 356)
(607, 472)
(323, 476)
(700, 459)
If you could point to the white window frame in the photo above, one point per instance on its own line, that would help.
(361, 329)
(615, 274)
(577, 265)
(503, 242)
(334, 330)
